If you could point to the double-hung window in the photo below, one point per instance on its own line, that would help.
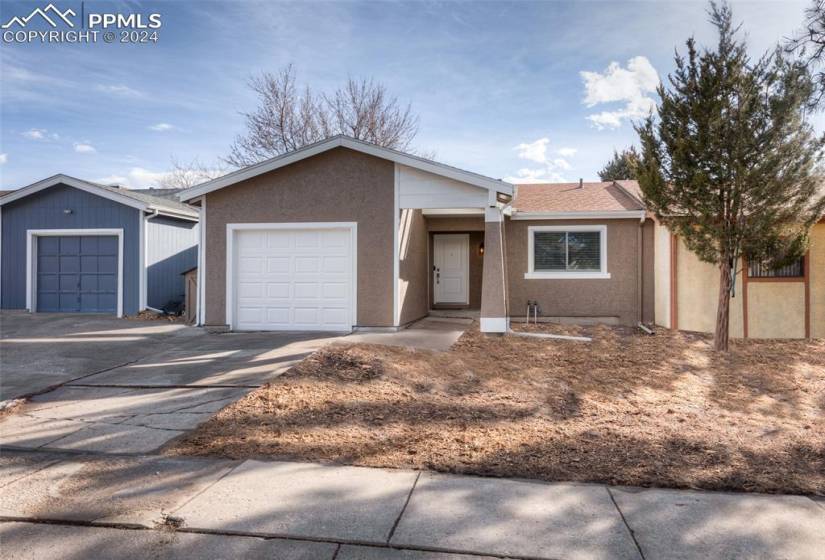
(567, 252)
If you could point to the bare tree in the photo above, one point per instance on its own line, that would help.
(809, 45)
(290, 117)
(185, 175)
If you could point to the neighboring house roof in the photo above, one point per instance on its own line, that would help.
(353, 144)
(570, 200)
(135, 199)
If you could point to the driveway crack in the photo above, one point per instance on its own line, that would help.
(403, 509)
(626, 524)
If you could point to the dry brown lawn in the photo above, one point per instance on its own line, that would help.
(624, 409)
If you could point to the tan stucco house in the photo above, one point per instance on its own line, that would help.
(344, 235)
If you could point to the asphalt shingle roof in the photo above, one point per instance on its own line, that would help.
(573, 197)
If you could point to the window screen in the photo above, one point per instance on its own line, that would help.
(567, 251)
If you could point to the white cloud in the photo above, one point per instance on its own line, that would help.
(119, 89)
(84, 148)
(534, 151)
(4, 158)
(631, 86)
(162, 127)
(549, 172)
(40, 134)
(136, 178)
(535, 175)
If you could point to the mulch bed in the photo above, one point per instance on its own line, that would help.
(627, 408)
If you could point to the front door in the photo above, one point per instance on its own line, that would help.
(451, 268)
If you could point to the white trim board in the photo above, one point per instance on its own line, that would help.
(619, 215)
(396, 249)
(201, 311)
(91, 188)
(533, 274)
(31, 260)
(230, 258)
(353, 144)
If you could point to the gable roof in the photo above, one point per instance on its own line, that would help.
(608, 198)
(342, 141)
(135, 199)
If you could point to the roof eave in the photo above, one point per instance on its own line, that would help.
(59, 179)
(589, 215)
(346, 142)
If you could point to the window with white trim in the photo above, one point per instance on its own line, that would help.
(567, 252)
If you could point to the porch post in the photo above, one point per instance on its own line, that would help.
(493, 287)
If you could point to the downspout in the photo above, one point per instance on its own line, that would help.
(640, 271)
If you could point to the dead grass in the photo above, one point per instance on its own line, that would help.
(625, 409)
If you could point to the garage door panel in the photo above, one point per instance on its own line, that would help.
(278, 316)
(48, 246)
(69, 282)
(307, 279)
(48, 264)
(254, 265)
(88, 282)
(307, 239)
(69, 245)
(307, 264)
(88, 263)
(77, 273)
(278, 290)
(69, 263)
(277, 265)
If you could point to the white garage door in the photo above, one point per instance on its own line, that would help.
(294, 279)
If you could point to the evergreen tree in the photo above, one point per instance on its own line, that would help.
(731, 165)
(621, 165)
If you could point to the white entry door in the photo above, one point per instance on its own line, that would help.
(294, 279)
(451, 277)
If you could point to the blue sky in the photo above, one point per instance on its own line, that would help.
(524, 90)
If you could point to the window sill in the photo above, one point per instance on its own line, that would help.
(567, 276)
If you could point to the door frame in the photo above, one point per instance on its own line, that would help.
(31, 259)
(466, 238)
(231, 272)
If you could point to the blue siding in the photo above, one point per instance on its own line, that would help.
(171, 249)
(45, 210)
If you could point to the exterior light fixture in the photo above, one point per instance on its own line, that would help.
(67, 211)
(481, 249)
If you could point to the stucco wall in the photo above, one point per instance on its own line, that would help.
(475, 228)
(412, 266)
(698, 295)
(662, 275)
(340, 185)
(45, 210)
(817, 265)
(776, 310)
(616, 297)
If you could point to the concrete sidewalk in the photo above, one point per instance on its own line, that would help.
(179, 507)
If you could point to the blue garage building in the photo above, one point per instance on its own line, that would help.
(68, 245)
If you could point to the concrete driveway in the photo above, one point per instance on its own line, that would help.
(125, 386)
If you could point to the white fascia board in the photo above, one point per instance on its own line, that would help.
(342, 141)
(179, 215)
(453, 212)
(72, 182)
(620, 215)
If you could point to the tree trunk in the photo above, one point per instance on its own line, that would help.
(720, 337)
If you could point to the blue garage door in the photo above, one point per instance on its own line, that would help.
(77, 274)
